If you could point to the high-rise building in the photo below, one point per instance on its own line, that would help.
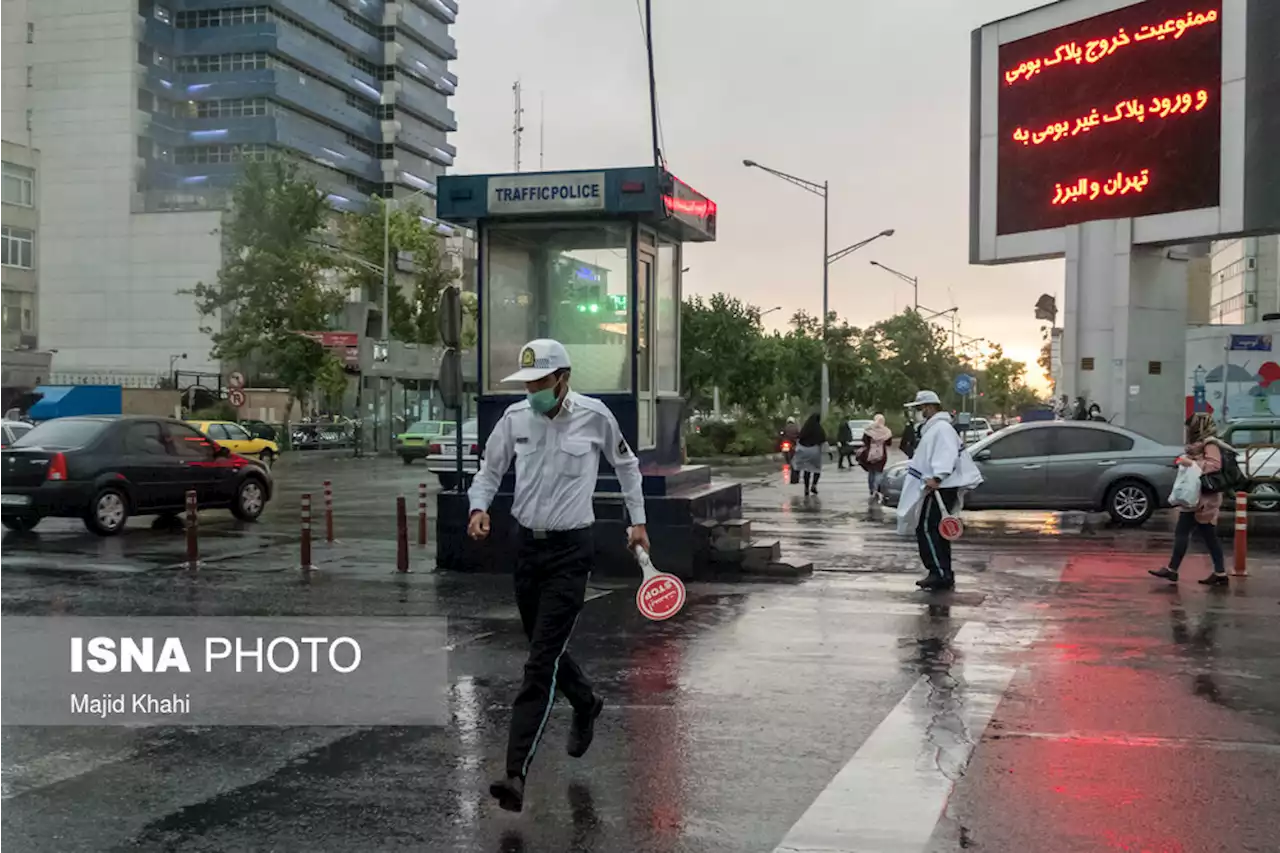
(144, 112)
(20, 262)
(1244, 280)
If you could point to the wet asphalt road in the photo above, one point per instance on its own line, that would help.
(1059, 700)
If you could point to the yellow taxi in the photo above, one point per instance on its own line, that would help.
(238, 440)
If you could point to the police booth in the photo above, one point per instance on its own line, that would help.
(593, 260)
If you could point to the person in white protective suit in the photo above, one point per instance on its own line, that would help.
(940, 466)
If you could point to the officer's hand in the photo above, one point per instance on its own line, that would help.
(637, 535)
(932, 484)
(478, 526)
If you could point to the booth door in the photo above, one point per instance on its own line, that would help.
(645, 410)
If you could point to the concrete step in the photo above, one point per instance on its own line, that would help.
(781, 570)
(748, 555)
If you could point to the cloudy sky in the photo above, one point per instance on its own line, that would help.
(872, 96)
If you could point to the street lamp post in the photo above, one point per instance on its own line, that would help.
(828, 258)
(909, 279)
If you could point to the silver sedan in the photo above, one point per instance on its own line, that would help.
(1066, 465)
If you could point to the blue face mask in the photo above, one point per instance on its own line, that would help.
(545, 400)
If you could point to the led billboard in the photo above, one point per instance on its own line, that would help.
(1117, 115)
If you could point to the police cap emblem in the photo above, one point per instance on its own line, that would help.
(527, 357)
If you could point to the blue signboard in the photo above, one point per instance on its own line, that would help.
(964, 384)
(1251, 343)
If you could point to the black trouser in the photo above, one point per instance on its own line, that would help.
(551, 582)
(811, 480)
(1182, 538)
(935, 552)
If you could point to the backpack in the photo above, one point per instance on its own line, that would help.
(1229, 477)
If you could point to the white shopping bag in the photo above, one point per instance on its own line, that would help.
(1186, 487)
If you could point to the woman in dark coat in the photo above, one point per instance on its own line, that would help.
(808, 458)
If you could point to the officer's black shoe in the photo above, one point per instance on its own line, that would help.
(509, 792)
(937, 585)
(584, 729)
(1216, 579)
(927, 580)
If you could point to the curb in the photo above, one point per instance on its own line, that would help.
(734, 461)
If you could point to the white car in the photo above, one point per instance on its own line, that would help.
(14, 430)
(442, 456)
(979, 428)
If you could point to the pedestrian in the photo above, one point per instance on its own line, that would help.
(876, 440)
(791, 431)
(1095, 413)
(1206, 450)
(556, 437)
(808, 458)
(910, 438)
(1081, 412)
(844, 438)
(940, 467)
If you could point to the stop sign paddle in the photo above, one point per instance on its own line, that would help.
(951, 527)
(661, 595)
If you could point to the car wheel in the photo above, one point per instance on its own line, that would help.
(408, 460)
(267, 458)
(108, 512)
(1131, 502)
(20, 523)
(1266, 489)
(251, 500)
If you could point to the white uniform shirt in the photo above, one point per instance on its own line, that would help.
(557, 460)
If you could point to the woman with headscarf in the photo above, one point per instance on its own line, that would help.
(1204, 449)
(808, 458)
(876, 440)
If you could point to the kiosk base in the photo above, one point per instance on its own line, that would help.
(684, 509)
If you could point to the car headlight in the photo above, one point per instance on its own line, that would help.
(896, 473)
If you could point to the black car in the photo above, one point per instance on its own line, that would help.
(105, 469)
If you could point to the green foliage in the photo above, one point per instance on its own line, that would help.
(364, 238)
(219, 411)
(876, 369)
(273, 283)
(742, 438)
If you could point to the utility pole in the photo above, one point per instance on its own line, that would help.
(517, 128)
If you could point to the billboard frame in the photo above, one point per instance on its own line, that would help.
(1228, 218)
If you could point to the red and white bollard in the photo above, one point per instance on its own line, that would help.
(306, 532)
(328, 511)
(193, 531)
(422, 514)
(402, 537)
(1241, 551)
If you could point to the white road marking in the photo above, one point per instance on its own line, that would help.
(890, 795)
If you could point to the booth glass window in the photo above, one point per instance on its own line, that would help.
(666, 330)
(567, 282)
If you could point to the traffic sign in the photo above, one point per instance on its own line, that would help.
(964, 385)
(661, 595)
(236, 380)
(235, 397)
(951, 527)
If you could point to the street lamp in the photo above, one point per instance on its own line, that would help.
(771, 310)
(909, 279)
(828, 258)
(173, 374)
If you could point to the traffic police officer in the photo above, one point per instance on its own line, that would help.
(556, 437)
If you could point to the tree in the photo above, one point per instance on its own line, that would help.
(274, 284)
(1001, 378)
(721, 338)
(413, 309)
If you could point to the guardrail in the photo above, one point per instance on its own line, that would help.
(1261, 467)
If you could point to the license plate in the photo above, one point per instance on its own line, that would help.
(14, 500)
(448, 450)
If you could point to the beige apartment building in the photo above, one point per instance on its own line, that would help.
(19, 249)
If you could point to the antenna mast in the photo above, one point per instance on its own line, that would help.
(517, 128)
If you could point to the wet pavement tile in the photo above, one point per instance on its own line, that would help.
(1059, 700)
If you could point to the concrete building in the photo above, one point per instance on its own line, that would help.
(1244, 280)
(144, 112)
(20, 259)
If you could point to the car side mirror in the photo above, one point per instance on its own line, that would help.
(220, 452)
(983, 456)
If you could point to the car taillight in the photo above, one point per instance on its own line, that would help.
(435, 448)
(57, 468)
(475, 449)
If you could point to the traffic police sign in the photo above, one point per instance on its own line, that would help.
(964, 384)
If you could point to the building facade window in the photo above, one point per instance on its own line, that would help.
(19, 311)
(18, 248)
(364, 146)
(162, 13)
(366, 107)
(201, 154)
(218, 63)
(223, 17)
(360, 22)
(19, 185)
(232, 107)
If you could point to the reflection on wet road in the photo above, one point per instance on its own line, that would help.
(1058, 700)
